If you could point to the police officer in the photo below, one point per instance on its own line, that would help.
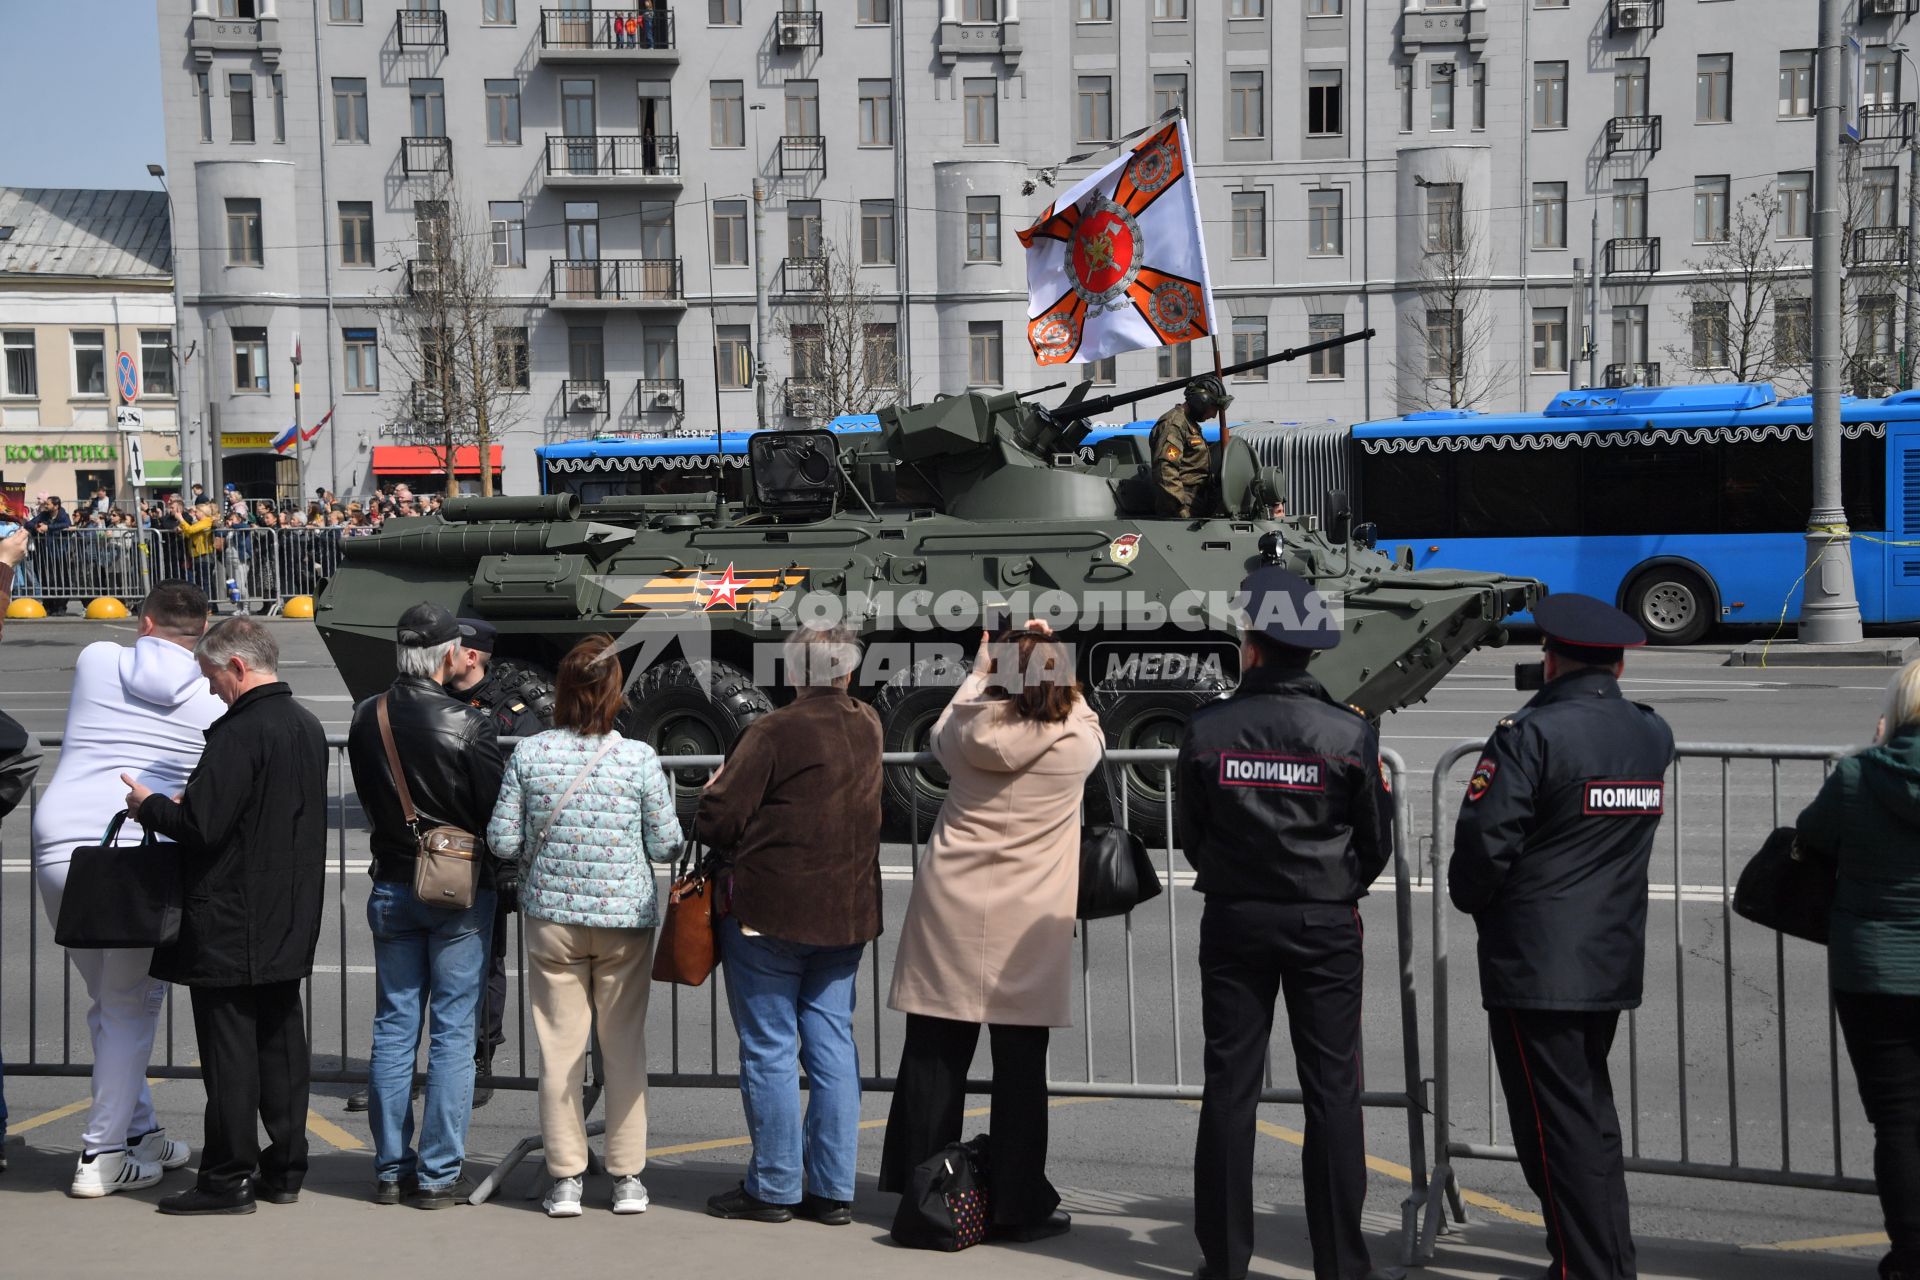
(1285, 816)
(1550, 858)
(1182, 463)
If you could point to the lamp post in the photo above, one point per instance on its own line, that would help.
(760, 315)
(1912, 326)
(181, 437)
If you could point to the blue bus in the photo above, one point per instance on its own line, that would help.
(1685, 505)
(634, 466)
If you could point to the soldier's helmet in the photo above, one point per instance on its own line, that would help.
(1206, 392)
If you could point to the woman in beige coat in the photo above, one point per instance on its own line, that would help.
(989, 932)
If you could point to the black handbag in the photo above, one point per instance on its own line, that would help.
(1787, 887)
(946, 1206)
(1116, 875)
(121, 895)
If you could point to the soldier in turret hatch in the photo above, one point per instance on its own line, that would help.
(1182, 463)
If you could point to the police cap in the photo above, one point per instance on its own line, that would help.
(1586, 629)
(478, 635)
(1287, 609)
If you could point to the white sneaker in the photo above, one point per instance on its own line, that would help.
(111, 1171)
(629, 1195)
(158, 1148)
(563, 1201)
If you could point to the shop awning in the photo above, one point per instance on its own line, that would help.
(423, 460)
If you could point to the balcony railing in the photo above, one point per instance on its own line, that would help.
(1890, 8)
(662, 395)
(420, 29)
(584, 395)
(803, 153)
(1886, 122)
(805, 398)
(1632, 17)
(1633, 133)
(612, 156)
(798, 29)
(606, 30)
(423, 276)
(1878, 246)
(428, 404)
(1633, 255)
(803, 275)
(615, 280)
(426, 155)
(1641, 374)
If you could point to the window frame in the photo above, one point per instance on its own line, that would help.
(1326, 102)
(1712, 200)
(236, 95)
(1787, 195)
(251, 238)
(1709, 83)
(1317, 222)
(1447, 212)
(1443, 73)
(1708, 321)
(347, 11)
(1796, 84)
(9, 345)
(1248, 229)
(986, 353)
(736, 339)
(503, 110)
(157, 355)
(983, 230)
(1250, 337)
(873, 13)
(732, 240)
(356, 105)
(1552, 210)
(499, 13)
(981, 124)
(731, 131)
(1549, 108)
(507, 232)
(1554, 321)
(1247, 106)
(1328, 364)
(512, 350)
(1093, 95)
(361, 235)
(359, 355)
(879, 236)
(876, 122)
(729, 11)
(263, 382)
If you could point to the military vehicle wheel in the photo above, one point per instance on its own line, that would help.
(1672, 603)
(670, 711)
(1145, 716)
(908, 705)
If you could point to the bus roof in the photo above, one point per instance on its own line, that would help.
(611, 446)
(1709, 405)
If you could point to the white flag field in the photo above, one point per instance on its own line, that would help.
(1119, 263)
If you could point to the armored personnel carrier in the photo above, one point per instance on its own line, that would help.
(972, 510)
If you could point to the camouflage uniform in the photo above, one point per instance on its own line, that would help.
(1182, 464)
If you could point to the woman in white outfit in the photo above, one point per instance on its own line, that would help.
(144, 711)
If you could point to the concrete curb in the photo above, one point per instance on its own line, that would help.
(1886, 651)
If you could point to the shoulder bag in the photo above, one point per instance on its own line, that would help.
(1787, 888)
(686, 952)
(945, 1206)
(121, 895)
(446, 866)
(1116, 875)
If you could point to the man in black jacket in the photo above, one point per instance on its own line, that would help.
(1550, 856)
(252, 834)
(1285, 816)
(424, 954)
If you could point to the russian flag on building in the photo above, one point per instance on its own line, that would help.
(286, 440)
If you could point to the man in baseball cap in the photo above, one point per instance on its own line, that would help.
(426, 625)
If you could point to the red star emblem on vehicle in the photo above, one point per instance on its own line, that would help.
(726, 591)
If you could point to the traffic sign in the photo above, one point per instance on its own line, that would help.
(129, 379)
(136, 463)
(131, 419)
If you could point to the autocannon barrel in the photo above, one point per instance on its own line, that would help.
(1087, 409)
(551, 506)
(451, 546)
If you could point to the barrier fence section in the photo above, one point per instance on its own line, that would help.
(1116, 1000)
(1694, 939)
(256, 567)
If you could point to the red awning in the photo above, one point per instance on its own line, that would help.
(423, 460)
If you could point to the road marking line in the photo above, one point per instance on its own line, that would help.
(721, 1144)
(61, 1113)
(332, 1134)
(1400, 1173)
(1866, 1240)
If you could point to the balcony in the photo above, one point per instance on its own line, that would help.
(1877, 246)
(426, 155)
(798, 29)
(1635, 17)
(803, 275)
(601, 35)
(662, 395)
(1889, 8)
(1633, 375)
(1633, 256)
(423, 277)
(585, 395)
(420, 29)
(614, 160)
(428, 403)
(609, 284)
(1633, 133)
(1886, 122)
(804, 398)
(803, 153)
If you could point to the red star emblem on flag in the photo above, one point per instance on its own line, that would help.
(726, 591)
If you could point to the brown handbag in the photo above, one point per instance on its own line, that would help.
(686, 953)
(446, 867)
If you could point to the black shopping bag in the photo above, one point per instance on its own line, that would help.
(945, 1206)
(1787, 887)
(121, 895)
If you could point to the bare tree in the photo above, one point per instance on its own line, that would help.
(458, 347)
(1873, 247)
(1447, 359)
(1746, 313)
(845, 347)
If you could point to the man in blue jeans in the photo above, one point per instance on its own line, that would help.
(425, 956)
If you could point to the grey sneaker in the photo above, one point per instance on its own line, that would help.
(563, 1201)
(629, 1195)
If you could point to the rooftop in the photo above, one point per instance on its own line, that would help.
(68, 234)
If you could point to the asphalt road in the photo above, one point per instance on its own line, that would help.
(1683, 1069)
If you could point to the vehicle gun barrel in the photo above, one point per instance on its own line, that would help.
(1103, 404)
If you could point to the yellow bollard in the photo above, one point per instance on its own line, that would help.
(298, 607)
(101, 608)
(23, 607)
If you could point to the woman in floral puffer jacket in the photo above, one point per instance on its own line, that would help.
(588, 904)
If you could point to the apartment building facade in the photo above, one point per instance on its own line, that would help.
(1358, 160)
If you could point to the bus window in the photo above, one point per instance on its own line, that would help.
(1408, 494)
(1765, 486)
(1518, 492)
(1649, 490)
(1863, 476)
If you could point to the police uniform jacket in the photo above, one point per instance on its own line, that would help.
(512, 715)
(1280, 794)
(1551, 848)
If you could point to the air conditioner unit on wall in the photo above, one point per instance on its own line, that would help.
(1632, 17)
(1885, 7)
(792, 35)
(666, 400)
(585, 402)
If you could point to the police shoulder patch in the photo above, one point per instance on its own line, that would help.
(1482, 780)
(1276, 773)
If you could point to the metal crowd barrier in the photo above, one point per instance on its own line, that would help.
(259, 568)
(1693, 939)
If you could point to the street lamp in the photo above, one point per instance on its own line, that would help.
(760, 314)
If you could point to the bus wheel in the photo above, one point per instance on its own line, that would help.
(692, 709)
(1672, 603)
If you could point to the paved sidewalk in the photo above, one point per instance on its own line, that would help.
(334, 1232)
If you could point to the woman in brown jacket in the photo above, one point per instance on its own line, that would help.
(989, 932)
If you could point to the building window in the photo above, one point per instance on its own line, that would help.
(983, 228)
(807, 347)
(876, 233)
(239, 8)
(1793, 330)
(586, 353)
(1249, 224)
(876, 113)
(723, 13)
(1713, 88)
(1876, 331)
(1315, 9)
(983, 111)
(22, 374)
(1879, 198)
(503, 112)
(1440, 78)
(1104, 373)
(734, 343)
(1880, 78)
(361, 347)
(202, 89)
(1446, 227)
(356, 233)
(427, 99)
(730, 233)
(1095, 116)
(1247, 104)
(875, 13)
(243, 234)
(1403, 89)
(881, 350)
(1796, 84)
(1630, 213)
(511, 356)
(1793, 220)
(1549, 95)
(507, 229)
(1326, 223)
(1324, 117)
(1249, 343)
(1709, 210)
(1549, 339)
(1709, 335)
(349, 110)
(1443, 344)
(1169, 92)
(1630, 87)
(250, 360)
(497, 13)
(802, 99)
(240, 100)
(659, 352)
(983, 353)
(1549, 215)
(980, 11)
(1169, 10)
(344, 11)
(279, 84)
(1175, 361)
(1479, 95)
(1329, 365)
(804, 229)
(728, 127)
(156, 362)
(1096, 10)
